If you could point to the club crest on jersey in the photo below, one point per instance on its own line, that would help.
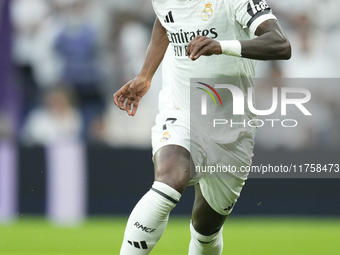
(207, 12)
(166, 136)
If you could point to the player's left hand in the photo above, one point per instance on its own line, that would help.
(202, 45)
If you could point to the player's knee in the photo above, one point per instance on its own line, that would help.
(172, 167)
(174, 176)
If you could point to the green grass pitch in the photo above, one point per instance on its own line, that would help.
(242, 236)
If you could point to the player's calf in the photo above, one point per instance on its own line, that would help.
(205, 227)
(148, 220)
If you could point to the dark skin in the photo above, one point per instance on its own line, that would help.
(271, 44)
(172, 162)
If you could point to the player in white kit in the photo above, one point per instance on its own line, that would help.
(205, 39)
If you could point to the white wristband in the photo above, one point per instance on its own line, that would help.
(232, 48)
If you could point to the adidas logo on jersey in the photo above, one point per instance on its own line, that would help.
(138, 245)
(169, 18)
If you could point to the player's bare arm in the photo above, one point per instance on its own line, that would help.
(133, 91)
(271, 44)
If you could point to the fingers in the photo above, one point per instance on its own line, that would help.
(135, 106)
(126, 97)
(131, 106)
(116, 97)
(203, 51)
(132, 99)
(119, 100)
(197, 44)
(128, 106)
(120, 97)
(202, 45)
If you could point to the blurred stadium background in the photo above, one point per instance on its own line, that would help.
(72, 166)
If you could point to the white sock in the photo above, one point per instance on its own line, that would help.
(148, 219)
(205, 245)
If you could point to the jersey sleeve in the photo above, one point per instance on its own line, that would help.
(251, 13)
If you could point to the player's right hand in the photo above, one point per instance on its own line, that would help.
(130, 94)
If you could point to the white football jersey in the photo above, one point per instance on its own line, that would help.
(220, 20)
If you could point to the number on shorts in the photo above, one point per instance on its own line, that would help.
(173, 120)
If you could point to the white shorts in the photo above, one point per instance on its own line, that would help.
(220, 187)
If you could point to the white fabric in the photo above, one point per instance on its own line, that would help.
(232, 48)
(225, 20)
(148, 220)
(205, 245)
(260, 20)
(221, 190)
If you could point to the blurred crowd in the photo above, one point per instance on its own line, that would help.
(70, 56)
(313, 28)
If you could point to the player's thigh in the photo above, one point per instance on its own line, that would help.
(171, 145)
(205, 220)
